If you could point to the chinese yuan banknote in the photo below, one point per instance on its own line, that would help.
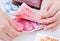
(27, 18)
(27, 25)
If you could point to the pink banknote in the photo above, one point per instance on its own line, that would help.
(26, 18)
(28, 13)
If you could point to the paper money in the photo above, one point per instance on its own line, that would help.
(10, 9)
(27, 17)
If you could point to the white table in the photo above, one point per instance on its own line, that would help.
(31, 36)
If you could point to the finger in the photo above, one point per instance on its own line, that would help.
(50, 26)
(52, 19)
(52, 11)
(8, 32)
(11, 32)
(54, 28)
(48, 20)
(46, 5)
(3, 30)
(4, 36)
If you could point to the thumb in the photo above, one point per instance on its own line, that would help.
(10, 21)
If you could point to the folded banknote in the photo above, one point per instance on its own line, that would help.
(25, 25)
(28, 18)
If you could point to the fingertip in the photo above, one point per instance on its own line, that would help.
(53, 29)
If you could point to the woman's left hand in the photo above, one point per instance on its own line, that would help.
(8, 29)
(52, 16)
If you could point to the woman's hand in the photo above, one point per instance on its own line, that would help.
(51, 15)
(8, 29)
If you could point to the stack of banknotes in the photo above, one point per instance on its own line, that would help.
(26, 24)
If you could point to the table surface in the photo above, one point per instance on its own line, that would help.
(31, 36)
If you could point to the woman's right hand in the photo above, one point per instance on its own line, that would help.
(8, 29)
